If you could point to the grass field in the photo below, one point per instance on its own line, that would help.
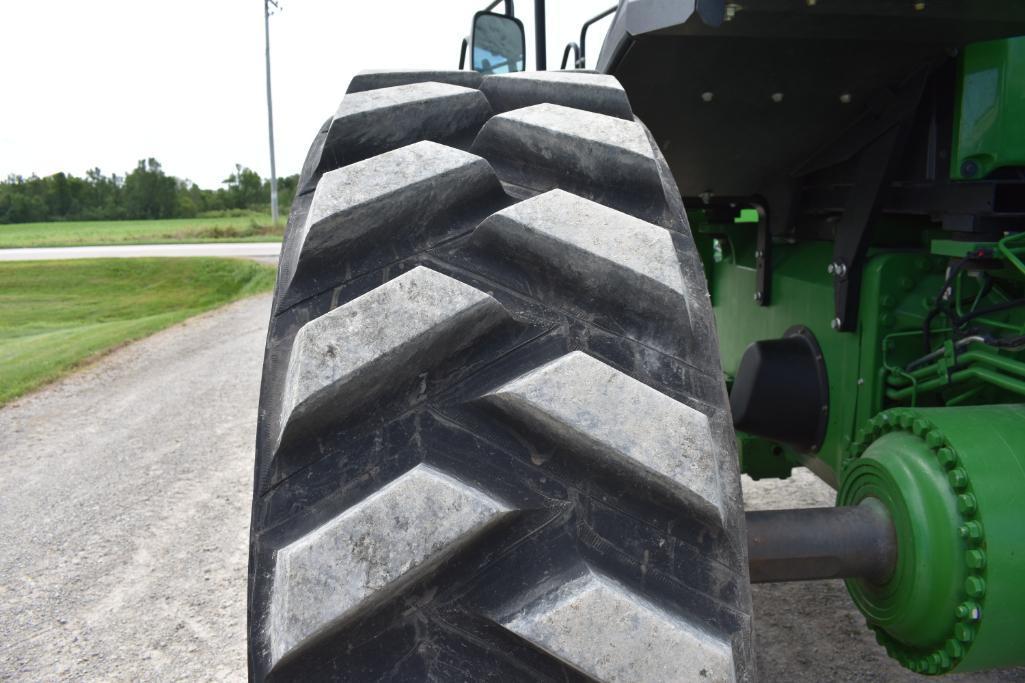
(55, 315)
(252, 228)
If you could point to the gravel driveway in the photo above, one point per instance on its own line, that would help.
(124, 513)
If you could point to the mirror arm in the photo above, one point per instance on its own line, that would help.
(540, 39)
(462, 54)
(565, 54)
(583, 34)
(510, 11)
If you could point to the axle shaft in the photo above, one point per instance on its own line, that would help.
(822, 543)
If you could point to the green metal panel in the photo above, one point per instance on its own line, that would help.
(866, 368)
(989, 128)
(805, 295)
(898, 287)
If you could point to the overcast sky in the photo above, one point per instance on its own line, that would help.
(104, 83)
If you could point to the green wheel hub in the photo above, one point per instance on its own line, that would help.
(953, 481)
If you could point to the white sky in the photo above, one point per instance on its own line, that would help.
(105, 83)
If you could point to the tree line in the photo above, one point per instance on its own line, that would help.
(145, 192)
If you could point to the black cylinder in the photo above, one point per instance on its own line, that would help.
(822, 543)
(781, 391)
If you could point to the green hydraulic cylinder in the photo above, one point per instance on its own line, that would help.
(953, 482)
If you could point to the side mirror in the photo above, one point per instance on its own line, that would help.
(497, 43)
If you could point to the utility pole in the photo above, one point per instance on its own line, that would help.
(270, 114)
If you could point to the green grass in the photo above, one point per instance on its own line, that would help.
(251, 228)
(55, 315)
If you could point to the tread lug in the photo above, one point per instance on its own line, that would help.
(599, 93)
(612, 634)
(412, 189)
(598, 412)
(356, 351)
(359, 557)
(376, 121)
(373, 80)
(599, 157)
(592, 254)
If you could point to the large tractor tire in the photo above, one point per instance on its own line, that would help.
(494, 438)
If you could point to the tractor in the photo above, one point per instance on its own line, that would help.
(530, 328)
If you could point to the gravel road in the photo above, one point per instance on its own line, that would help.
(124, 509)
(124, 513)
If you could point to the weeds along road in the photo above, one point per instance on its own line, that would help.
(124, 514)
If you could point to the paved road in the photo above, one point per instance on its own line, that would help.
(124, 512)
(258, 250)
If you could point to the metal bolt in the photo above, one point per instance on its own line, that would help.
(845, 98)
(759, 253)
(958, 478)
(777, 97)
(964, 633)
(976, 559)
(811, 3)
(919, 6)
(836, 324)
(861, 381)
(966, 504)
(830, 268)
(707, 96)
(968, 609)
(947, 457)
(706, 197)
(975, 586)
(970, 531)
(758, 297)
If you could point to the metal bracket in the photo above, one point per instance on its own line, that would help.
(873, 174)
(876, 164)
(763, 260)
(510, 10)
(774, 218)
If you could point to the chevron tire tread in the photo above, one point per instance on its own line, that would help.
(494, 441)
